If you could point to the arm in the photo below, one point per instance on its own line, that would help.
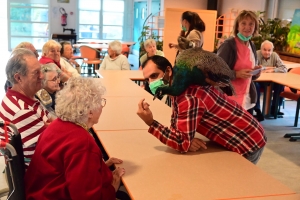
(84, 173)
(125, 64)
(195, 38)
(68, 67)
(279, 66)
(103, 64)
(185, 121)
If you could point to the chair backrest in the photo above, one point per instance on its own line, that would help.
(15, 165)
(125, 50)
(89, 53)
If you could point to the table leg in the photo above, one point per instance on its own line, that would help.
(267, 98)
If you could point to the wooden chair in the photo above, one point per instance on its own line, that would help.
(293, 94)
(91, 57)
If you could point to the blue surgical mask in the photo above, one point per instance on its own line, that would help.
(243, 38)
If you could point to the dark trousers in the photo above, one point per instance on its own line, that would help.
(277, 90)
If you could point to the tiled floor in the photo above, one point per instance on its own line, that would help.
(280, 159)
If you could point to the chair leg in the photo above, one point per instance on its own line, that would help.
(297, 113)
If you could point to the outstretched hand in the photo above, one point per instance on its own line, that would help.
(112, 161)
(144, 112)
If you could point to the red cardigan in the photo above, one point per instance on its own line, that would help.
(68, 164)
(45, 60)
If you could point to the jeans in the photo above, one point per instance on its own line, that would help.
(276, 88)
(255, 156)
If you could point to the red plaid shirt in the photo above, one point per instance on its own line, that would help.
(207, 111)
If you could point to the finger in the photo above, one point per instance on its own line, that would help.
(117, 161)
(140, 104)
(200, 143)
(145, 105)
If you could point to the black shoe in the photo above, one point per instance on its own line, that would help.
(273, 111)
(280, 113)
(259, 116)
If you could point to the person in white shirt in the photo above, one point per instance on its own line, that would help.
(66, 61)
(115, 60)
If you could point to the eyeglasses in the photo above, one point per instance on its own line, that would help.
(103, 102)
(55, 79)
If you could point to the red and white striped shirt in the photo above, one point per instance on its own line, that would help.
(27, 115)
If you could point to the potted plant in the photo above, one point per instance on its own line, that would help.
(273, 30)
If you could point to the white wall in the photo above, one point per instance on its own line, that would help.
(55, 16)
(226, 6)
(287, 8)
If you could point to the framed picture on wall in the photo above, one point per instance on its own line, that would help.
(63, 1)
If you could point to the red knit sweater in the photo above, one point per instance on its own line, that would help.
(68, 164)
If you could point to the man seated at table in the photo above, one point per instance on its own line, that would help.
(271, 63)
(26, 45)
(202, 109)
(66, 61)
(19, 106)
(115, 60)
(68, 164)
(51, 54)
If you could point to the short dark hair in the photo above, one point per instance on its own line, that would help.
(63, 43)
(161, 62)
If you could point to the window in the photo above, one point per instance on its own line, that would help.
(28, 21)
(101, 19)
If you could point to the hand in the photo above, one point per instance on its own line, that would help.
(144, 112)
(112, 161)
(243, 73)
(172, 45)
(197, 144)
(117, 174)
(268, 71)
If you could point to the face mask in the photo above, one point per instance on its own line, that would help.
(243, 38)
(183, 28)
(156, 84)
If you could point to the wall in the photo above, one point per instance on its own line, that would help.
(225, 6)
(193, 4)
(287, 8)
(55, 16)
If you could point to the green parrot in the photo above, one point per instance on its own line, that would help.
(195, 66)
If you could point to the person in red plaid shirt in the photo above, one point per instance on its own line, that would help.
(202, 109)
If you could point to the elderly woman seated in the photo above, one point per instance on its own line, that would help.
(50, 85)
(51, 54)
(150, 47)
(67, 163)
(66, 59)
(115, 60)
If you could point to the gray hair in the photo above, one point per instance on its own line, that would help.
(49, 67)
(17, 64)
(50, 44)
(148, 42)
(25, 45)
(116, 46)
(77, 98)
(267, 42)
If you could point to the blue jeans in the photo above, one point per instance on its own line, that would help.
(276, 88)
(255, 156)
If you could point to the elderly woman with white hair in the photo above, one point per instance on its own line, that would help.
(67, 163)
(51, 54)
(115, 60)
(150, 47)
(50, 85)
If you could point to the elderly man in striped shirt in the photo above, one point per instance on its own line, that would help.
(19, 106)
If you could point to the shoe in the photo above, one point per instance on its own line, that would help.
(273, 111)
(259, 116)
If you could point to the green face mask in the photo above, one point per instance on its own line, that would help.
(243, 38)
(183, 28)
(156, 84)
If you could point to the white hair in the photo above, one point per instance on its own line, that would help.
(149, 42)
(78, 97)
(116, 46)
(49, 67)
(267, 42)
(50, 44)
